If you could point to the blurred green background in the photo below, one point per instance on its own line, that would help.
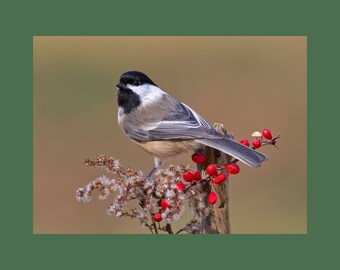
(246, 83)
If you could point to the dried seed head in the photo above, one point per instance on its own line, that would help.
(257, 134)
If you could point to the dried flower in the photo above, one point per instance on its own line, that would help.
(130, 185)
(257, 134)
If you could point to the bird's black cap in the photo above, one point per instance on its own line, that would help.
(135, 78)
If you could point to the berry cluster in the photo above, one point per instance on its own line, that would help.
(260, 139)
(213, 174)
(216, 173)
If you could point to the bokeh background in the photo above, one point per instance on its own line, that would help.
(246, 83)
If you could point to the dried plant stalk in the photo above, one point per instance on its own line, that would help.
(218, 221)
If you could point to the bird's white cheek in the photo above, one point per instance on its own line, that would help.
(148, 94)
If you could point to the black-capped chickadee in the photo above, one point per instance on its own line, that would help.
(165, 127)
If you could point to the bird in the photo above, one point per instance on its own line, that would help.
(165, 127)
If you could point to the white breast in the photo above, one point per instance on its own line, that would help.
(167, 149)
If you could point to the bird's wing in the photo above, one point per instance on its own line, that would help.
(179, 124)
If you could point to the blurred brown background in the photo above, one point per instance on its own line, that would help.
(246, 83)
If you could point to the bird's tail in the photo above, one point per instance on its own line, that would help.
(233, 148)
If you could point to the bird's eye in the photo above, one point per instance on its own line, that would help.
(135, 83)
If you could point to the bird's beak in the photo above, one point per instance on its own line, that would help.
(121, 86)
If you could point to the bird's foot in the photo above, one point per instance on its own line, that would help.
(148, 180)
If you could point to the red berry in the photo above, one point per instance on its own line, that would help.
(197, 175)
(211, 169)
(257, 143)
(212, 198)
(244, 142)
(198, 158)
(157, 217)
(232, 168)
(180, 186)
(267, 134)
(220, 178)
(188, 176)
(164, 204)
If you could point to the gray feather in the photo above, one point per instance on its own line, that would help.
(178, 123)
(237, 150)
(182, 123)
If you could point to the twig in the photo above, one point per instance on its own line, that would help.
(142, 221)
(271, 142)
(206, 180)
(168, 228)
(153, 223)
